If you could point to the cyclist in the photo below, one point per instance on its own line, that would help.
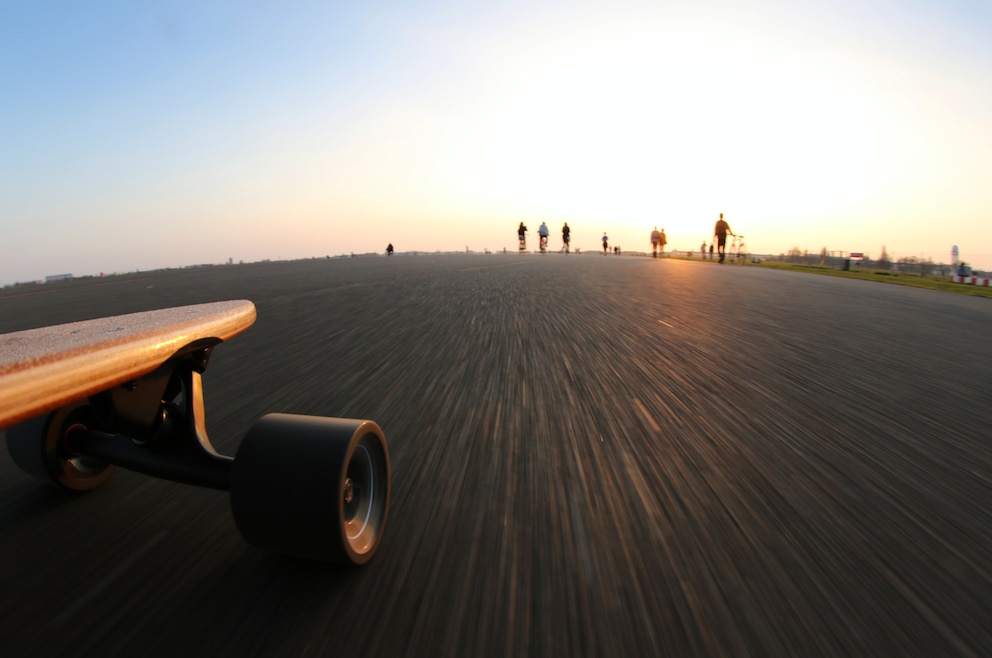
(566, 236)
(542, 231)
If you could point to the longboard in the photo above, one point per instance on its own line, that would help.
(80, 399)
(43, 369)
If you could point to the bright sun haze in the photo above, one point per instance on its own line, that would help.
(143, 136)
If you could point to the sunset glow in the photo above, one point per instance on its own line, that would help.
(173, 135)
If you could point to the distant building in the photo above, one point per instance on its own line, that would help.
(58, 277)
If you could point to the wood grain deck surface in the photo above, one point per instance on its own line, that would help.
(44, 368)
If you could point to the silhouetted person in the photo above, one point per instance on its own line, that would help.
(566, 236)
(655, 241)
(389, 249)
(606, 244)
(522, 236)
(720, 232)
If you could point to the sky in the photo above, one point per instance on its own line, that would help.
(137, 136)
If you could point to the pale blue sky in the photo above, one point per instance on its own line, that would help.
(145, 135)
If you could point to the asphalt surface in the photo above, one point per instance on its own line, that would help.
(596, 456)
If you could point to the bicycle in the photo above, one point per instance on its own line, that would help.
(738, 251)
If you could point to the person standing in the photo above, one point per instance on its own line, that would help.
(655, 241)
(606, 243)
(702, 250)
(663, 242)
(566, 236)
(720, 231)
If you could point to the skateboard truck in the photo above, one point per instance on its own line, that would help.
(164, 440)
(307, 486)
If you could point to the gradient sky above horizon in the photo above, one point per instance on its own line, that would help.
(147, 135)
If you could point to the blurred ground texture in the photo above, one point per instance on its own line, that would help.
(599, 456)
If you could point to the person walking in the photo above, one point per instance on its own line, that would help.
(663, 242)
(720, 231)
(702, 250)
(655, 240)
(566, 236)
(606, 243)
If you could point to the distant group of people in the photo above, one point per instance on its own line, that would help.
(566, 238)
(543, 233)
(658, 242)
(720, 231)
(606, 246)
(658, 239)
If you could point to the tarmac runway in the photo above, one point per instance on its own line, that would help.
(591, 456)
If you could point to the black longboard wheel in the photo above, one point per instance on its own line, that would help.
(312, 487)
(39, 448)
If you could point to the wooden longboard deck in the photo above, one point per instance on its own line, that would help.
(44, 369)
